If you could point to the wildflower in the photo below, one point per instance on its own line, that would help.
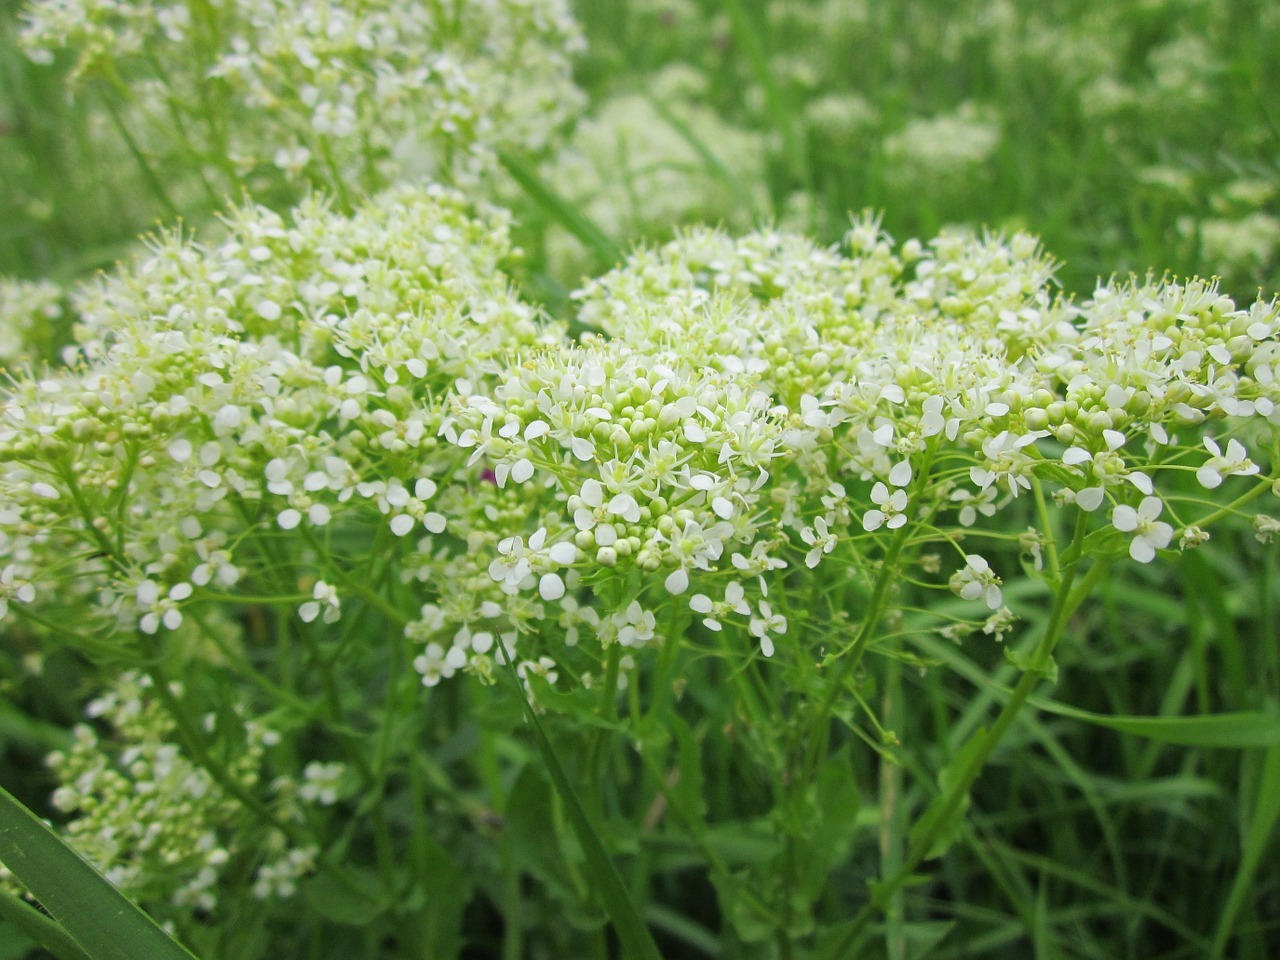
(734, 602)
(765, 623)
(999, 623)
(1192, 537)
(1265, 528)
(1149, 533)
(820, 538)
(973, 504)
(891, 509)
(1235, 462)
(324, 598)
(976, 580)
(321, 782)
(160, 609)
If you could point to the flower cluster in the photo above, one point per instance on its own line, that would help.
(761, 403)
(638, 172)
(933, 157)
(350, 97)
(287, 376)
(28, 310)
(157, 825)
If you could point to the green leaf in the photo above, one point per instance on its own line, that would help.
(1224, 730)
(1023, 661)
(36, 926)
(1265, 814)
(96, 916)
(919, 939)
(333, 900)
(447, 894)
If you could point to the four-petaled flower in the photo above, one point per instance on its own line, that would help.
(324, 598)
(766, 623)
(820, 539)
(734, 602)
(1149, 533)
(1236, 462)
(976, 580)
(891, 509)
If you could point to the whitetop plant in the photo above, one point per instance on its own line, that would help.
(278, 96)
(766, 442)
(159, 826)
(29, 310)
(641, 170)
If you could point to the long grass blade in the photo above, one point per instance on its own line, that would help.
(561, 210)
(43, 929)
(96, 916)
(1221, 730)
(1263, 821)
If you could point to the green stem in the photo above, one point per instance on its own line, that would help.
(1066, 600)
(193, 742)
(852, 657)
(1236, 504)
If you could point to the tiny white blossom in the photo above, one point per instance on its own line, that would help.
(820, 539)
(976, 580)
(764, 624)
(1235, 462)
(891, 506)
(160, 609)
(325, 598)
(734, 602)
(1149, 533)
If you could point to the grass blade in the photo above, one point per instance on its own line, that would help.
(562, 211)
(40, 928)
(96, 916)
(784, 117)
(1265, 814)
(1222, 730)
(637, 942)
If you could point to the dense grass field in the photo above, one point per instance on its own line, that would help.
(663, 478)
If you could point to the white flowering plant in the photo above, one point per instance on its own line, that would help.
(760, 596)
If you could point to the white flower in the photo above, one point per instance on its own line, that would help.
(160, 610)
(1149, 533)
(512, 565)
(635, 626)
(593, 515)
(734, 602)
(435, 663)
(325, 598)
(820, 539)
(12, 586)
(767, 622)
(977, 580)
(1236, 462)
(890, 514)
(321, 782)
(413, 508)
(972, 504)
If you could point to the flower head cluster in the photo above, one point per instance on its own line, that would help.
(289, 375)
(157, 825)
(28, 310)
(349, 96)
(633, 171)
(761, 404)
